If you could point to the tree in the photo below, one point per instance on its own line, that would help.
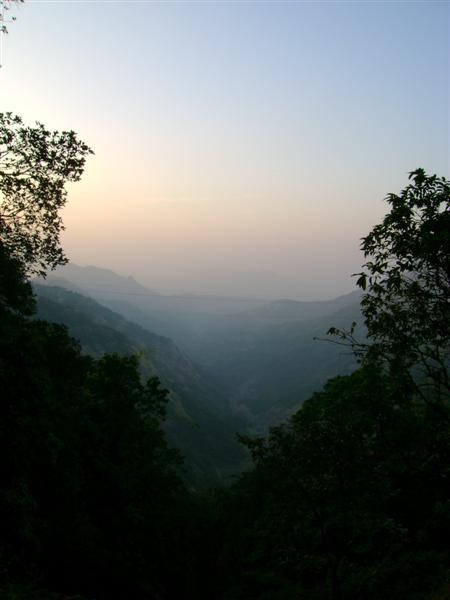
(347, 499)
(35, 165)
(406, 280)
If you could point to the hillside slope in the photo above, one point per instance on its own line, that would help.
(200, 421)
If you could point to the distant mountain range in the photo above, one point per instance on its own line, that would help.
(281, 311)
(105, 284)
(97, 280)
(261, 355)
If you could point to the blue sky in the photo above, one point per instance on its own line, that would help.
(252, 136)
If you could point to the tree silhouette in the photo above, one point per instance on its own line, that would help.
(406, 284)
(35, 165)
(407, 281)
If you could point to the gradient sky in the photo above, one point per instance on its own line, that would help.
(241, 147)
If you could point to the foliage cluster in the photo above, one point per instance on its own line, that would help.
(353, 498)
(406, 280)
(35, 165)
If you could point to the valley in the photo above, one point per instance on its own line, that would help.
(233, 365)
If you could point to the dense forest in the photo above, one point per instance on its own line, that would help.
(348, 498)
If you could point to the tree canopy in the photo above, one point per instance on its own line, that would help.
(407, 282)
(35, 165)
(406, 285)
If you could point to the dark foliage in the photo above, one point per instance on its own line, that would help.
(90, 492)
(407, 277)
(35, 165)
(406, 280)
(349, 491)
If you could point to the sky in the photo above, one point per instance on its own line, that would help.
(241, 147)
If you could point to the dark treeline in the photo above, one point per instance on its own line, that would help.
(349, 499)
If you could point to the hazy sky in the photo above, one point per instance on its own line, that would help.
(241, 147)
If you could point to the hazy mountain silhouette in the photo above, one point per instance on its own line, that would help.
(96, 280)
(262, 354)
(295, 310)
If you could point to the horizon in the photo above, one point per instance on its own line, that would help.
(149, 291)
(240, 148)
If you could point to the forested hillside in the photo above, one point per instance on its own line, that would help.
(348, 498)
(201, 422)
